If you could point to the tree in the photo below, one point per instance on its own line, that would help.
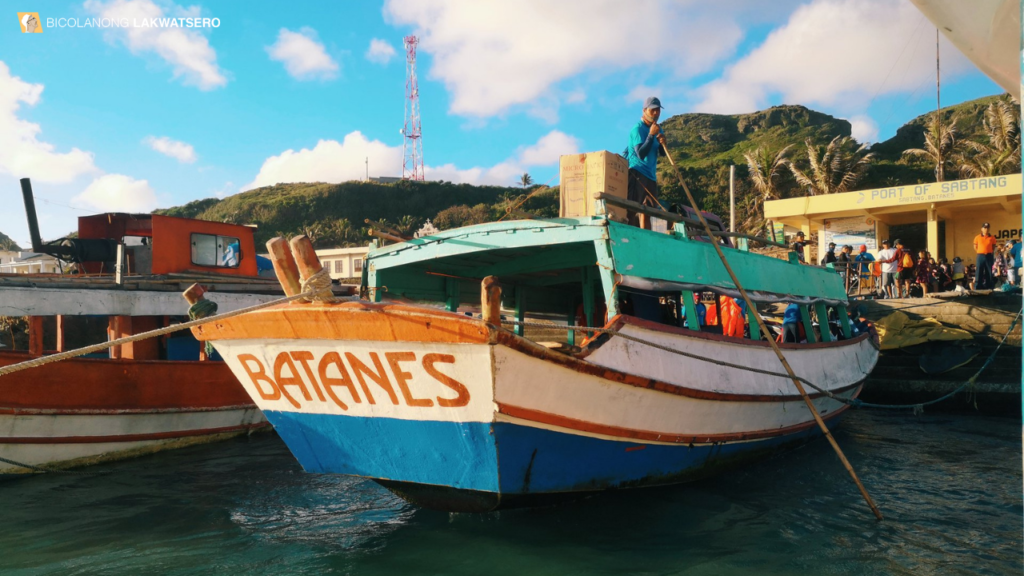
(765, 167)
(408, 225)
(941, 145)
(9, 324)
(462, 215)
(525, 180)
(833, 168)
(1001, 155)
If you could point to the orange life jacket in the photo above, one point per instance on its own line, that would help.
(711, 316)
(732, 318)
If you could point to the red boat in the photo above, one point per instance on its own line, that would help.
(129, 272)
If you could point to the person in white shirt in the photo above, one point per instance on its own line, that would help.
(887, 256)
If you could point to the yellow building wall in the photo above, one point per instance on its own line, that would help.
(961, 230)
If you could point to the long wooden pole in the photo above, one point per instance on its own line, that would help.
(775, 346)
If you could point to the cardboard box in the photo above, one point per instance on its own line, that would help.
(584, 174)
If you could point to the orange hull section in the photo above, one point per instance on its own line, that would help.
(97, 385)
(349, 321)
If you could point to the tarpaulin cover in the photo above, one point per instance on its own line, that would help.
(897, 330)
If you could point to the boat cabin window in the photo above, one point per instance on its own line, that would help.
(215, 251)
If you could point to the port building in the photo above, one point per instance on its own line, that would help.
(941, 217)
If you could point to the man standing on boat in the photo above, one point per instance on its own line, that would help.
(645, 145)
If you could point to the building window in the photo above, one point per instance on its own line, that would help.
(357, 265)
(215, 251)
(339, 266)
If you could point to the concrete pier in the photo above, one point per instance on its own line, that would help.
(897, 379)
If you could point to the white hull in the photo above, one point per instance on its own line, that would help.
(66, 440)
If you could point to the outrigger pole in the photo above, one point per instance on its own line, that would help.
(774, 345)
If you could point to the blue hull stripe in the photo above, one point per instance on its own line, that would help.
(501, 457)
(455, 454)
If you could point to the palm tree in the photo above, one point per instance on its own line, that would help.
(407, 225)
(941, 145)
(1002, 153)
(766, 170)
(833, 168)
(525, 180)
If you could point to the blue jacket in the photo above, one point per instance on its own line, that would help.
(643, 150)
(792, 315)
(1015, 252)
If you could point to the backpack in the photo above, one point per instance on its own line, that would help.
(908, 261)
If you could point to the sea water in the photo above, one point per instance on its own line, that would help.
(950, 488)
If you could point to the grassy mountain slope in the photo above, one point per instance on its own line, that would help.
(704, 146)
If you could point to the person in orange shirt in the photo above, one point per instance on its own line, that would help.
(984, 245)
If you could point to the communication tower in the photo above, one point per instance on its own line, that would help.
(412, 148)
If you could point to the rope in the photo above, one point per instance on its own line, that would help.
(318, 286)
(43, 360)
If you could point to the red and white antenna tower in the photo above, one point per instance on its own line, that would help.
(412, 148)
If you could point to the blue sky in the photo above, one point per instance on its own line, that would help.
(129, 119)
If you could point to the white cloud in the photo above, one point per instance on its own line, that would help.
(180, 151)
(117, 193)
(864, 129)
(22, 154)
(835, 52)
(303, 55)
(333, 161)
(547, 150)
(641, 93)
(380, 51)
(494, 54)
(185, 49)
(226, 190)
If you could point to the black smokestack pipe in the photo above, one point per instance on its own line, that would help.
(30, 211)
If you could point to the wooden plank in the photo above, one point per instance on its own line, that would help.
(826, 332)
(805, 317)
(606, 275)
(692, 321)
(588, 297)
(655, 256)
(520, 309)
(451, 294)
(844, 319)
(490, 237)
(35, 335)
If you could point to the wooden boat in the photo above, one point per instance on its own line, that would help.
(141, 397)
(453, 412)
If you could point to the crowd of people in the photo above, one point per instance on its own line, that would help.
(904, 274)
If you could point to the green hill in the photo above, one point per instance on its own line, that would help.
(6, 243)
(334, 214)
(704, 145)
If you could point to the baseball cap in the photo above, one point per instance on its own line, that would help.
(652, 102)
(985, 225)
(897, 241)
(886, 242)
(831, 243)
(863, 247)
